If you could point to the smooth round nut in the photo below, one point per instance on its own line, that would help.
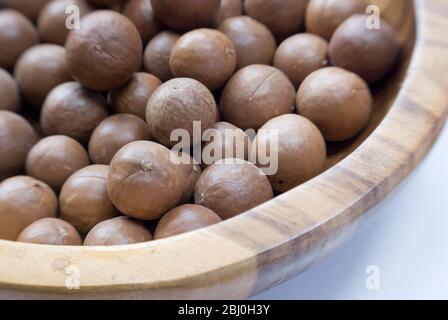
(156, 58)
(323, 17)
(231, 186)
(297, 147)
(54, 159)
(133, 96)
(29, 8)
(17, 34)
(206, 55)
(51, 23)
(228, 9)
(24, 200)
(39, 70)
(370, 53)
(143, 182)
(113, 133)
(300, 55)
(183, 219)
(256, 94)
(337, 101)
(105, 51)
(50, 231)
(84, 201)
(186, 15)
(177, 104)
(70, 101)
(9, 91)
(17, 137)
(118, 231)
(141, 14)
(254, 42)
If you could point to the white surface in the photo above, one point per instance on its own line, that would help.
(408, 243)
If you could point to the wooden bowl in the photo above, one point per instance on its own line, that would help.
(273, 242)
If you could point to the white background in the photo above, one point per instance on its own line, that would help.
(408, 242)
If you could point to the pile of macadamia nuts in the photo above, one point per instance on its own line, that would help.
(92, 92)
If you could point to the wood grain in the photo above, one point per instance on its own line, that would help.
(278, 239)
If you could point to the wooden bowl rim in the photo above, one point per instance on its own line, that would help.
(227, 257)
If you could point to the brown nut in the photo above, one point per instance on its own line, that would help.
(256, 94)
(300, 55)
(143, 182)
(105, 51)
(224, 140)
(156, 58)
(72, 110)
(133, 96)
(113, 133)
(183, 219)
(206, 55)
(323, 17)
(84, 201)
(228, 9)
(190, 173)
(51, 231)
(141, 14)
(370, 53)
(40, 69)
(30, 8)
(186, 15)
(54, 159)
(300, 150)
(17, 137)
(231, 186)
(24, 200)
(51, 23)
(118, 231)
(9, 92)
(283, 17)
(337, 101)
(253, 41)
(16, 35)
(176, 105)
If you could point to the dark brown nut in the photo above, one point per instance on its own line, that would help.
(73, 111)
(40, 69)
(337, 101)
(183, 219)
(16, 35)
(206, 55)
(105, 51)
(323, 17)
(118, 231)
(54, 159)
(133, 96)
(84, 201)
(156, 59)
(17, 137)
(300, 148)
(113, 133)
(231, 186)
(51, 231)
(230, 140)
(176, 105)
(256, 94)
(190, 171)
(141, 14)
(186, 15)
(9, 92)
(29, 8)
(24, 200)
(253, 41)
(370, 53)
(143, 182)
(283, 17)
(300, 55)
(51, 23)
(228, 9)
